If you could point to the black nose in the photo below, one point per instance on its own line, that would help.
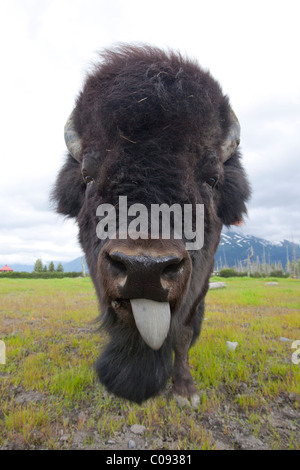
(143, 276)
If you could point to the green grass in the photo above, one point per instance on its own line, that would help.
(48, 388)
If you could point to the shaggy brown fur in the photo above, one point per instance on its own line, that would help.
(151, 125)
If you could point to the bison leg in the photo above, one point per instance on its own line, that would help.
(184, 387)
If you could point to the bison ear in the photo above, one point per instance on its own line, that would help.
(69, 189)
(234, 192)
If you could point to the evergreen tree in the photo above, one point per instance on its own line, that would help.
(60, 268)
(38, 266)
(51, 268)
(45, 268)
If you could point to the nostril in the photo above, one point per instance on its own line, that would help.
(173, 269)
(115, 263)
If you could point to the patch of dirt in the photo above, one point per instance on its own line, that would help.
(228, 428)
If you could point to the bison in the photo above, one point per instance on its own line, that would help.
(155, 127)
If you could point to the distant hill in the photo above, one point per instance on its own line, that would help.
(70, 266)
(75, 265)
(233, 248)
(20, 267)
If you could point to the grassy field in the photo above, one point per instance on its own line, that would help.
(50, 397)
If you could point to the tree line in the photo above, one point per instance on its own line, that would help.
(258, 269)
(39, 267)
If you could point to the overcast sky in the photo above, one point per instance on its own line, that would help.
(250, 46)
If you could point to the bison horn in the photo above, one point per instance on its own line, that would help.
(233, 139)
(72, 138)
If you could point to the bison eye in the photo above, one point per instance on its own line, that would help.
(88, 179)
(212, 181)
(89, 167)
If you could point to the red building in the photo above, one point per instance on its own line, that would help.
(5, 269)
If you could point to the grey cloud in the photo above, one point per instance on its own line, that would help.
(55, 41)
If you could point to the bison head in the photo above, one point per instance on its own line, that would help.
(154, 128)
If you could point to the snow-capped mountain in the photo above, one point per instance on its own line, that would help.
(235, 248)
